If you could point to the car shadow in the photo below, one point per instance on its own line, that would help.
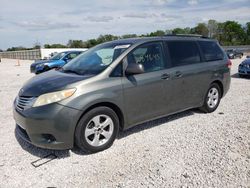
(40, 152)
(156, 122)
(236, 75)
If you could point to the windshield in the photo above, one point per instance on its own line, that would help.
(96, 59)
(58, 56)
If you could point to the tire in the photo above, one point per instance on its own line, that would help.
(211, 102)
(92, 134)
(46, 68)
(241, 76)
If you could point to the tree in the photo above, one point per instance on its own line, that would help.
(37, 45)
(128, 36)
(157, 33)
(54, 46)
(233, 33)
(75, 44)
(106, 38)
(16, 48)
(178, 30)
(201, 29)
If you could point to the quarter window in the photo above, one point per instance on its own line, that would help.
(149, 55)
(183, 52)
(211, 50)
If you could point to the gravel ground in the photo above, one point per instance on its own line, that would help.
(190, 149)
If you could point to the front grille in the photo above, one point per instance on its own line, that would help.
(23, 102)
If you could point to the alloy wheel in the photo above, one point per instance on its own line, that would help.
(99, 130)
(213, 97)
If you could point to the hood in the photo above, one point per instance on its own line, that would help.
(246, 62)
(41, 62)
(49, 82)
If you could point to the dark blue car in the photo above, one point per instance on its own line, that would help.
(244, 68)
(56, 61)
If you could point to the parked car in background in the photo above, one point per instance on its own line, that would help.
(116, 85)
(56, 61)
(244, 68)
(234, 53)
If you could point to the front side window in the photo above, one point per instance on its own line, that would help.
(183, 52)
(58, 56)
(211, 50)
(149, 55)
(96, 59)
(72, 55)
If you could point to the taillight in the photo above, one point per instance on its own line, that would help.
(229, 63)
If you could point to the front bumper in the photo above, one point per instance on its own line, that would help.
(50, 126)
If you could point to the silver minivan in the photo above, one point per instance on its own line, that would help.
(117, 85)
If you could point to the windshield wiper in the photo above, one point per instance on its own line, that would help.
(70, 71)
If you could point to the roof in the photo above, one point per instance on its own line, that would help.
(166, 37)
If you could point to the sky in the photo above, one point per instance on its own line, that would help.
(26, 22)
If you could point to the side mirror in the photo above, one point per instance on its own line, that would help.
(134, 68)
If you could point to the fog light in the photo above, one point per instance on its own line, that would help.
(49, 138)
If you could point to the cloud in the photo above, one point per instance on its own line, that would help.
(161, 2)
(193, 2)
(38, 25)
(140, 15)
(99, 18)
(88, 19)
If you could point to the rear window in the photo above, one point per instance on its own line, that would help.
(183, 52)
(211, 50)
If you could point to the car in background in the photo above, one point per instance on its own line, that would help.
(234, 53)
(244, 68)
(56, 61)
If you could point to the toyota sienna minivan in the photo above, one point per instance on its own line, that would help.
(119, 84)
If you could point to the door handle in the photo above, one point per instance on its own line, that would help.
(165, 76)
(178, 74)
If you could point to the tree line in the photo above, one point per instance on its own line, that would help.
(227, 33)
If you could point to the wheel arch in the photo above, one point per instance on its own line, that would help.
(110, 105)
(219, 83)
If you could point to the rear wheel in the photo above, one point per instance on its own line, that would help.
(212, 99)
(97, 129)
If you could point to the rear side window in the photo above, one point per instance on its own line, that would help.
(183, 52)
(211, 50)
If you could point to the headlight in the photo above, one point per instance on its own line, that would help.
(53, 97)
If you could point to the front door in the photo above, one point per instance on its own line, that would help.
(144, 94)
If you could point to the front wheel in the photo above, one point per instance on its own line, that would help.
(212, 99)
(97, 129)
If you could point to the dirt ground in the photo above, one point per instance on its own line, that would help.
(189, 149)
